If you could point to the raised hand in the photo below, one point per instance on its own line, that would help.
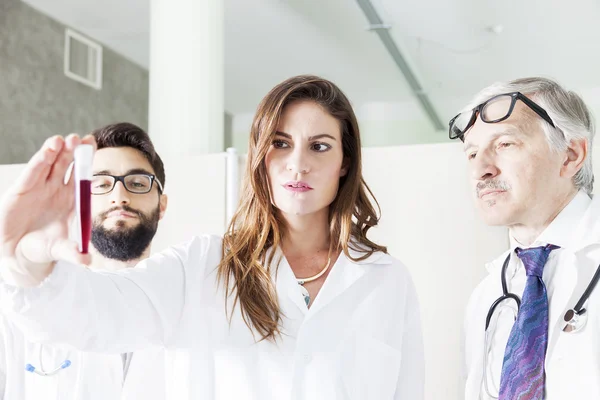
(34, 215)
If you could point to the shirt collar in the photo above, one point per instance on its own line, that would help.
(560, 231)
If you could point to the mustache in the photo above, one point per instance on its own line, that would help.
(493, 185)
(121, 208)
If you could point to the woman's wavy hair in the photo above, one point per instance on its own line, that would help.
(255, 227)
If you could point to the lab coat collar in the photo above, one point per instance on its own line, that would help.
(344, 273)
(357, 250)
(587, 232)
(576, 228)
(562, 231)
(496, 264)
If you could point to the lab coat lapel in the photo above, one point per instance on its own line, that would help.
(132, 378)
(495, 267)
(587, 231)
(287, 286)
(146, 375)
(345, 274)
(574, 270)
(561, 292)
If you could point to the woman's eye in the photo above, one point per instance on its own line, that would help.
(320, 147)
(471, 156)
(280, 144)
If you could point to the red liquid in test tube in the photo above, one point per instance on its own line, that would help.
(83, 196)
(85, 213)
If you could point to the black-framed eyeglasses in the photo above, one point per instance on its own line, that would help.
(496, 109)
(134, 183)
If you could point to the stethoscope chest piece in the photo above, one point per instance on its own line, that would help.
(575, 320)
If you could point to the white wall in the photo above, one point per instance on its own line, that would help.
(428, 222)
(196, 190)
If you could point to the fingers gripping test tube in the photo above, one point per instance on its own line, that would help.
(84, 158)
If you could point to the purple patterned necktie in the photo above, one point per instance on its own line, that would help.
(523, 373)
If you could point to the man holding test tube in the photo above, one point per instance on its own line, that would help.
(127, 202)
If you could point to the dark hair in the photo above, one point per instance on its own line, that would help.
(124, 134)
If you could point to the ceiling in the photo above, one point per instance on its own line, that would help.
(455, 47)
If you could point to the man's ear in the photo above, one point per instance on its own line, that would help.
(574, 158)
(163, 201)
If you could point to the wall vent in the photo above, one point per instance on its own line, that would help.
(83, 59)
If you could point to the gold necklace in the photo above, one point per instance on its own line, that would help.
(302, 281)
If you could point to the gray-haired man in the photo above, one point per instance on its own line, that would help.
(528, 145)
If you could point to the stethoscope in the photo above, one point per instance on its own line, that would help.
(574, 318)
(42, 372)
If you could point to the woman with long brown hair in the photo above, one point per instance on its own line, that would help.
(295, 302)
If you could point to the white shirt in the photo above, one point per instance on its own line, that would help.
(572, 359)
(361, 338)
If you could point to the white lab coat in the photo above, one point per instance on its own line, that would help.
(572, 359)
(91, 376)
(361, 338)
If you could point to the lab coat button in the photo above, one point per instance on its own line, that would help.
(307, 358)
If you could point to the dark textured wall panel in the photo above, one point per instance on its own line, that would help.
(37, 100)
